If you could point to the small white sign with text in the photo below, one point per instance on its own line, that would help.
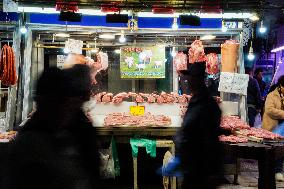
(233, 83)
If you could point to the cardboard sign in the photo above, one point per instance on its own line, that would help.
(74, 46)
(233, 83)
(137, 110)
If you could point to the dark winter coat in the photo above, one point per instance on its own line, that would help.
(53, 158)
(197, 141)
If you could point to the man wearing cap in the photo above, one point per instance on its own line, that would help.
(197, 140)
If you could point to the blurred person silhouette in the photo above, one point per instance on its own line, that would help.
(56, 148)
(273, 117)
(197, 146)
(254, 102)
(258, 75)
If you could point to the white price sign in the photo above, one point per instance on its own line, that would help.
(74, 46)
(233, 83)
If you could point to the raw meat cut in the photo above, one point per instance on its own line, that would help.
(180, 61)
(233, 123)
(196, 52)
(125, 119)
(212, 64)
(233, 139)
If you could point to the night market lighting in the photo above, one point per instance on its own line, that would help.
(278, 49)
(262, 28)
(107, 36)
(208, 37)
(23, 30)
(175, 24)
(251, 55)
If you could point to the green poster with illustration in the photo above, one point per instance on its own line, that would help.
(142, 62)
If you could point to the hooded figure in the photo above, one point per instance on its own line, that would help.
(56, 148)
(197, 141)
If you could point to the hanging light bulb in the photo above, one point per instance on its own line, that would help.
(175, 24)
(262, 28)
(224, 28)
(117, 51)
(122, 38)
(174, 53)
(65, 50)
(250, 54)
(23, 30)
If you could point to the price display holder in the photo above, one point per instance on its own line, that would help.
(137, 110)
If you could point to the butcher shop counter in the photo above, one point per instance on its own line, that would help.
(266, 154)
(123, 134)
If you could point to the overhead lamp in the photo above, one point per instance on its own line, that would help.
(262, 28)
(65, 50)
(173, 53)
(23, 30)
(254, 18)
(207, 37)
(250, 54)
(117, 51)
(95, 50)
(175, 24)
(106, 36)
(65, 35)
(224, 27)
(122, 38)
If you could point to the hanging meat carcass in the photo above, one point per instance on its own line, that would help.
(180, 61)
(196, 52)
(212, 64)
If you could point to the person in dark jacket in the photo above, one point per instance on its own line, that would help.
(254, 102)
(197, 141)
(259, 77)
(56, 148)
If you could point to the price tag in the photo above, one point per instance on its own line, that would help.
(137, 110)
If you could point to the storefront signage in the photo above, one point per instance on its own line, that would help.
(142, 62)
(233, 83)
(137, 110)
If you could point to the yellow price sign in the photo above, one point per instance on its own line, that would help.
(137, 110)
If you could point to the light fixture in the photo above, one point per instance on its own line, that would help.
(254, 18)
(65, 50)
(122, 38)
(250, 54)
(94, 50)
(262, 28)
(224, 27)
(106, 36)
(278, 49)
(65, 35)
(207, 37)
(175, 24)
(117, 51)
(23, 30)
(173, 53)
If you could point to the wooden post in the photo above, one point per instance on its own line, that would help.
(135, 172)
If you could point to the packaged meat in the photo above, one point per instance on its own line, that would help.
(196, 52)
(230, 56)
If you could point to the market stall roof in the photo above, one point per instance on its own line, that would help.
(206, 5)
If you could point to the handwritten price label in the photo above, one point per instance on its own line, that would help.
(137, 110)
(233, 83)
